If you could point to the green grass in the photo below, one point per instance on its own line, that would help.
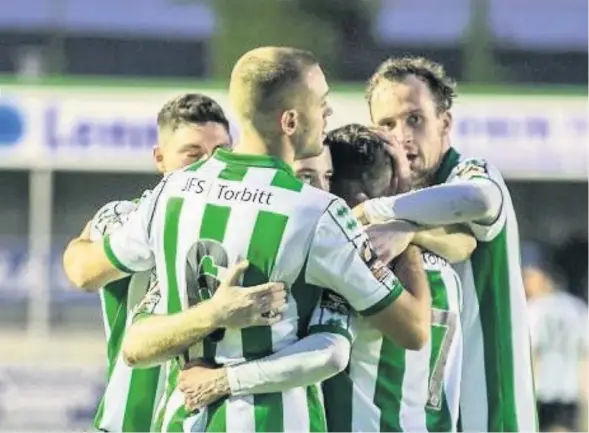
(142, 83)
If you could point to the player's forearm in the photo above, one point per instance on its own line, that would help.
(309, 361)
(455, 243)
(407, 320)
(455, 202)
(409, 270)
(87, 267)
(155, 339)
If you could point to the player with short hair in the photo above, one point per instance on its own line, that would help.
(385, 387)
(316, 171)
(411, 99)
(382, 377)
(190, 127)
(247, 204)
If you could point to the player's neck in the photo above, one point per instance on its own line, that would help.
(254, 144)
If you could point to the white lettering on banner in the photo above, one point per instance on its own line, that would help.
(119, 132)
(101, 129)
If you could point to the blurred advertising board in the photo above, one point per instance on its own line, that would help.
(52, 382)
(43, 397)
(113, 129)
(18, 269)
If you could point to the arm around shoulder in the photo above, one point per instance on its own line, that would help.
(87, 265)
(454, 242)
(156, 338)
(407, 320)
(342, 259)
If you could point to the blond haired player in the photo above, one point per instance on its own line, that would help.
(248, 204)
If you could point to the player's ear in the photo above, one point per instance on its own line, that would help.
(361, 197)
(289, 121)
(158, 158)
(446, 123)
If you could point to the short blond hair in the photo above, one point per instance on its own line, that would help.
(263, 80)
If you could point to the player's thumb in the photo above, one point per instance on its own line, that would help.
(235, 273)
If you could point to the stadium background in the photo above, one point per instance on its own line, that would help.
(82, 81)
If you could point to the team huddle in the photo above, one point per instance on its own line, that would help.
(364, 279)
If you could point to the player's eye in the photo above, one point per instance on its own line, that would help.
(413, 119)
(195, 155)
(388, 125)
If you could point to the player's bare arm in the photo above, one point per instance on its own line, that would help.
(342, 259)
(153, 339)
(453, 242)
(407, 320)
(87, 265)
(108, 218)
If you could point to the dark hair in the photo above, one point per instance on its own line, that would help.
(262, 77)
(360, 161)
(355, 148)
(442, 87)
(191, 108)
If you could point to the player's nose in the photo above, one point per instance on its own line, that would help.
(403, 136)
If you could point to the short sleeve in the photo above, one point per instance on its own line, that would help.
(479, 170)
(110, 217)
(342, 259)
(333, 314)
(128, 248)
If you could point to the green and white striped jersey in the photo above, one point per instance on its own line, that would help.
(131, 395)
(497, 392)
(387, 388)
(207, 217)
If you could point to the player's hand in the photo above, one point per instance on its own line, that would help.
(401, 181)
(390, 239)
(242, 307)
(202, 384)
(360, 214)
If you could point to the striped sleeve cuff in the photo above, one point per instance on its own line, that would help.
(316, 329)
(113, 258)
(395, 292)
